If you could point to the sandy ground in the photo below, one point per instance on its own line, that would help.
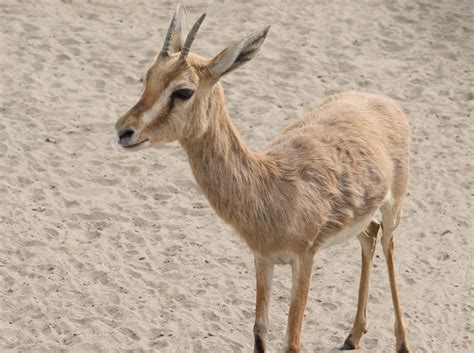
(101, 250)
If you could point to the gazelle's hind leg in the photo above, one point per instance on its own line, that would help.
(391, 214)
(368, 240)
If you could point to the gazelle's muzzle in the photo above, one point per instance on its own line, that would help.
(127, 138)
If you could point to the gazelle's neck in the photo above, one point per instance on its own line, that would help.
(232, 177)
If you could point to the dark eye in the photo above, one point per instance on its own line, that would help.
(184, 93)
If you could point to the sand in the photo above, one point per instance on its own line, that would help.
(103, 250)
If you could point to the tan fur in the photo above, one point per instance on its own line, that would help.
(327, 171)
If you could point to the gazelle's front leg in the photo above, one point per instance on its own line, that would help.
(301, 281)
(264, 274)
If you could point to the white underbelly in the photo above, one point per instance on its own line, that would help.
(348, 232)
(283, 258)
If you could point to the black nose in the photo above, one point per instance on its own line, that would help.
(125, 136)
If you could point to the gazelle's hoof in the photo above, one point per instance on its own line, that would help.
(404, 349)
(352, 341)
(259, 348)
(347, 346)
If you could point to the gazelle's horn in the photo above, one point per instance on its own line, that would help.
(190, 38)
(166, 46)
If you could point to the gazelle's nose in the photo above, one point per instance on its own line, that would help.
(125, 137)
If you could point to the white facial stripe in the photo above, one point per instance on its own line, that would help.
(180, 85)
(160, 104)
(152, 113)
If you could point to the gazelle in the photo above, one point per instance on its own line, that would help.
(318, 183)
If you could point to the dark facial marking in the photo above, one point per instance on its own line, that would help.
(162, 117)
(147, 75)
(137, 109)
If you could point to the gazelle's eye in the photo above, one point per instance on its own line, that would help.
(184, 93)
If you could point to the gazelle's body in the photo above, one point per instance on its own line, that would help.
(326, 172)
(318, 183)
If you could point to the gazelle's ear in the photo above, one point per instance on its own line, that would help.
(180, 29)
(237, 54)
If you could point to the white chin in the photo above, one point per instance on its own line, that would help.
(138, 146)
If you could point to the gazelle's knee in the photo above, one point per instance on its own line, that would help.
(387, 240)
(388, 244)
(368, 238)
(373, 228)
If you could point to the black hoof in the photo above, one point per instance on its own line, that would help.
(403, 349)
(258, 345)
(348, 346)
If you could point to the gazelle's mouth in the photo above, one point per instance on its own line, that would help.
(135, 144)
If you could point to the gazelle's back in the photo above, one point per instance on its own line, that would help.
(356, 116)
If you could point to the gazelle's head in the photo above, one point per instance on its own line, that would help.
(178, 85)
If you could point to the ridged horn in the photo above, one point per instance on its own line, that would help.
(190, 38)
(169, 35)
